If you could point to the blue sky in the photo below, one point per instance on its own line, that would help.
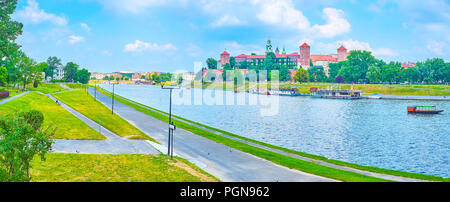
(170, 35)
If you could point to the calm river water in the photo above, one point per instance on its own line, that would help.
(368, 132)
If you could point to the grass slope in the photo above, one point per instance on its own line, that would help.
(47, 88)
(68, 126)
(115, 168)
(86, 105)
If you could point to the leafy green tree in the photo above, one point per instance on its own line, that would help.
(349, 73)
(83, 76)
(374, 74)
(53, 63)
(36, 75)
(285, 75)
(3, 75)
(21, 139)
(211, 63)
(316, 74)
(9, 31)
(358, 63)
(409, 75)
(391, 73)
(166, 77)
(301, 75)
(232, 62)
(335, 68)
(70, 72)
(243, 65)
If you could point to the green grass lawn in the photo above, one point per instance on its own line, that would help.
(12, 92)
(86, 105)
(277, 158)
(115, 168)
(76, 85)
(47, 88)
(68, 126)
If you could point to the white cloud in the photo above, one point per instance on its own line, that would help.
(336, 24)
(33, 14)
(140, 46)
(85, 27)
(281, 12)
(75, 39)
(436, 47)
(351, 44)
(227, 20)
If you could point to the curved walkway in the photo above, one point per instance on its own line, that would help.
(223, 162)
(373, 174)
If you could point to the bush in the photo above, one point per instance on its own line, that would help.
(34, 118)
(19, 143)
(2, 89)
(4, 94)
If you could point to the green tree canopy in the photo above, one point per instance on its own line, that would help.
(9, 31)
(301, 75)
(3, 75)
(83, 76)
(70, 72)
(53, 63)
(211, 63)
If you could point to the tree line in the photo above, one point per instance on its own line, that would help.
(360, 67)
(18, 69)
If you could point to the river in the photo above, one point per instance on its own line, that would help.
(377, 133)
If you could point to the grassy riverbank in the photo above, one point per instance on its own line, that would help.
(46, 88)
(115, 168)
(86, 105)
(424, 90)
(277, 158)
(68, 126)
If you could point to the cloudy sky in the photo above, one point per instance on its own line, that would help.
(170, 35)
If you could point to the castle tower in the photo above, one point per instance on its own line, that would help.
(269, 46)
(305, 55)
(277, 51)
(224, 58)
(342, 53)
(284, 51)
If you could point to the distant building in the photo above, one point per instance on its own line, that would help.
(188, 76)
(58, 73)
(409, 65)
(303, 59)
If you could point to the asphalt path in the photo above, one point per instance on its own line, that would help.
(223, 162)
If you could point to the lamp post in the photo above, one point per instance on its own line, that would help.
(112, 108)
(171, 126)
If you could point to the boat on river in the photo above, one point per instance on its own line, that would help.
(423, 110)
(335, 94)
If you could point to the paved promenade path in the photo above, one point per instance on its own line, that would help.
(112, 145)
(223, 162)
(13, 98)
(107, 101)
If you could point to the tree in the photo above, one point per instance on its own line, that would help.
(25, 68)
(212, 63)
(3, 75)
(232, 62)
(339, 79)
(409, 74)
(244, 65)
(21, 138)
(285, 75)
(70, 72)
(316, 74)
(36, 75)
(391, 73)
(83, 76)
(349, 73)
(166, 77)
(374, 74)
(53, 63)
(301, 75)
(358, 63)
(335, 68)
(9, 31)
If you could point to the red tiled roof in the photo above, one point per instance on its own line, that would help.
(225, 53)
(342, 48)
(305, 45)
(330, 58)
(264, 56)
(241, 56)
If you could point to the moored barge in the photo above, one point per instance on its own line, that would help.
(423, 110)
(335, 94)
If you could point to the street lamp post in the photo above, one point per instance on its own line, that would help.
(171, 126)
(112, 108)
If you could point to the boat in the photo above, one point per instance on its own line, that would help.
(423, 110)
(335, 94)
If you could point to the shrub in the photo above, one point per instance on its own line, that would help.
(2, 89)
(34, 118)
(4, 94)
(19, 143)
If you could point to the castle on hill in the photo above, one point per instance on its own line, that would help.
(304, 59)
